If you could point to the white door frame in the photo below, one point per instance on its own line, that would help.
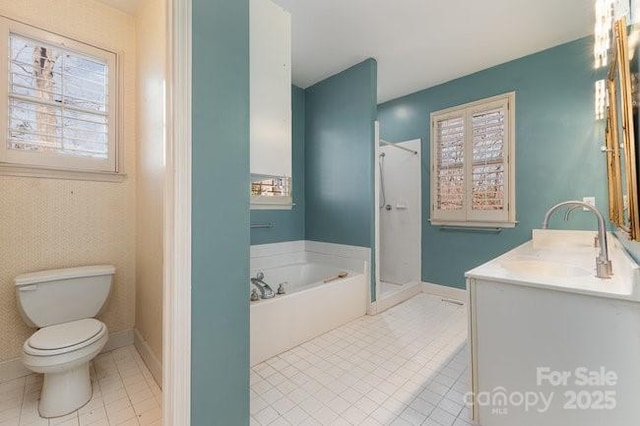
(376, 214)
(176, 365)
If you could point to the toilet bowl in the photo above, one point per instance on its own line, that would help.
(62, 353)
(62, 304)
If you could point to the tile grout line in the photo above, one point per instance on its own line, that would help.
(24, 391)
(125, 388)
(95, 368)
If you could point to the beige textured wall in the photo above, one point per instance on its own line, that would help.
(150, 171)
(49, 223)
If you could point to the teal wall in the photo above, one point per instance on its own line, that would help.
(557, 149)
(288, 224)
(339, 143)
(220, 218)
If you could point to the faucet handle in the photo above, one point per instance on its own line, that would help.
(254, 295)
(604, 268)
(281, 289)
(260, 275)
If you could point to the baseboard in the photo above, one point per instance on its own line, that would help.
(458, 294)
(150, 359)
(14, 369)
(118, 340)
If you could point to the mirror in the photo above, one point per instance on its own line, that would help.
(620, 138)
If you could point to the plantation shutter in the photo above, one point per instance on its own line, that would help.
(449, 166)
(488, 143)
(470, 169)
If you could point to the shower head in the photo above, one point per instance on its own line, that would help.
(382, 154)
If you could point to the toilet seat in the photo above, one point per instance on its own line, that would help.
(64, 338)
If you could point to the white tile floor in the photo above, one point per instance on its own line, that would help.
(406, 366)
(124, 393)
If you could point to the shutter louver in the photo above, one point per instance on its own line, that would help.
(488, 186)
(450, 163)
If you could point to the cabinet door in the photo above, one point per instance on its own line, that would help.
(538, 344)
(270, 72)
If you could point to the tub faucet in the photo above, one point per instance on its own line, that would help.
(603, 264)
(266, 292)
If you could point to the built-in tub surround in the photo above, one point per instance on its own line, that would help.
(310, 306)
(55, 223)
(540, 309)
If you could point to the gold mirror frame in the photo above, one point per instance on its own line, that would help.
(620, 76)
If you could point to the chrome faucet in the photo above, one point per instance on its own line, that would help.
(266, 292)
(603, 264)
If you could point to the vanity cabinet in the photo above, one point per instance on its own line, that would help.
(552, 345)
(539, 344)
(270, 89)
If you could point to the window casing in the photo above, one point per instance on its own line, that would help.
(472, 164)
(59, 103)
(271, 192)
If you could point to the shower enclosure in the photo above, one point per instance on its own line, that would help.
(398, 222)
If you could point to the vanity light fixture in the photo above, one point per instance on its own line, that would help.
(602, 31)
(606, 12)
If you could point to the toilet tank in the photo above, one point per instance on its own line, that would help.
(62, 295)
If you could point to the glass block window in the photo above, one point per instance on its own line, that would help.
(270, 192)
(271, 187)
(472, 172)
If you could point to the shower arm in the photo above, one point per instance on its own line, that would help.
(382, 141)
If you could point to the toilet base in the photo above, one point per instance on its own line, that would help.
(65, 392)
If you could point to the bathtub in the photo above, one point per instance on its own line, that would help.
(310, 307)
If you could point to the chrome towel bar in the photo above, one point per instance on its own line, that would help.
(262, 226)
(496, 230)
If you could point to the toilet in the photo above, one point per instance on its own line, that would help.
(62, 304)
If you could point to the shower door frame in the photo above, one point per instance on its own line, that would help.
(375, 299)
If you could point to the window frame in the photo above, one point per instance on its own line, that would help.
(466, 217)
(53, 165)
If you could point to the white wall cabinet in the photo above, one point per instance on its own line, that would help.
(270, 75)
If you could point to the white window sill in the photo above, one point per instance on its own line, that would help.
(261, 202)
(257, 206)
(37, 172)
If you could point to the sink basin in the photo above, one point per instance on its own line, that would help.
(542, 268)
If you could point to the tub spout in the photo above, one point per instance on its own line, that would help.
(266, 292)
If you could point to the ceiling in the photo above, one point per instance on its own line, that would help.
(421, 43)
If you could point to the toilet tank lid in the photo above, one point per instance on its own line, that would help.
(62, 274)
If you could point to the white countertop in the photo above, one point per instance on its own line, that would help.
(564, 261)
